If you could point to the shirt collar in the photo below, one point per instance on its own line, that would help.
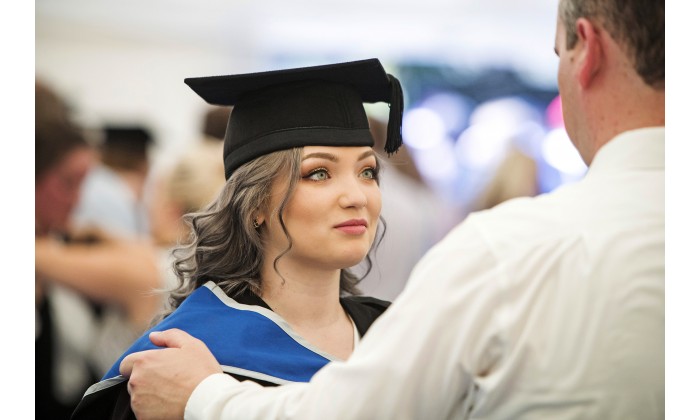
(641, 149)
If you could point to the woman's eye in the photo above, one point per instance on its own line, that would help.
(318, 175)
(369, 173)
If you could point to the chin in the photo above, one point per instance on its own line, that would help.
(351, 259)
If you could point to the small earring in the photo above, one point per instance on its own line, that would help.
(256, 224)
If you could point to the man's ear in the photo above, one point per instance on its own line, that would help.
(591, 58)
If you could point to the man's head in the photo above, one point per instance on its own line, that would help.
(63, 159)
(611, 69)
(637, 25)
(126, 148)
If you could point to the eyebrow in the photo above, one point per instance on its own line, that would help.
(334, 158)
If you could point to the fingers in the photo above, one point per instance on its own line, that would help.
(126, 367)
(127, 364)
(172, 338)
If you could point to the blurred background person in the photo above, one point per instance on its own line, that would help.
(516, 176)
(187, 186)
(112, 197)
(92, 294)
(62, 160)
(215, 121)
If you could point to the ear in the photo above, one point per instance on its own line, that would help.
(591, 58)
(259, 217)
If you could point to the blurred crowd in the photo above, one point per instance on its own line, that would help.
(105, 221)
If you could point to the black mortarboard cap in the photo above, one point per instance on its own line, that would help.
(307, 106)
(128, 137)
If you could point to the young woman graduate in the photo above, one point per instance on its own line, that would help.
(263, 281)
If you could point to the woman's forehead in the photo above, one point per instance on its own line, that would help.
(350, 151)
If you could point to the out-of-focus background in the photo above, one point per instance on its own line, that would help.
(477, 75)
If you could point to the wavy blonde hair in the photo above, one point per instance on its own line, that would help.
(223, 245)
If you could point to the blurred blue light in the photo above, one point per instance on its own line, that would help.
(423, 128)
(453, 108)
(483, 145)
(560, 153)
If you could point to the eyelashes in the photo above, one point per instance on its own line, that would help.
(318, 174)
(322, 174)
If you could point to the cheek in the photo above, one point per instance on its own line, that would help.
(304, 216)
(559, 77)
(52, 193)
(68, 201)
(374, 210)
(564, 89)
(299, 218)
(374, 202)
(307, 205)
(562, 75)
(52, 208)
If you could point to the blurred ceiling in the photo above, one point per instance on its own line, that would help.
(510, 33)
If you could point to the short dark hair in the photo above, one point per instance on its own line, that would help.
(638, 25)
(54, 139)
(55, 135)
(126, 147)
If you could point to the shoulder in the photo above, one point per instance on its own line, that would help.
(527, 221)
(364, 310)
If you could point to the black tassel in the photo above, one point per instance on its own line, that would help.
(393, 134)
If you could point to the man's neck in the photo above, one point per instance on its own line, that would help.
(622, 101)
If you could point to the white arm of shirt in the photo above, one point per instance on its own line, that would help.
(411, 364)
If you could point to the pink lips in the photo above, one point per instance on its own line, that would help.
(353, 226)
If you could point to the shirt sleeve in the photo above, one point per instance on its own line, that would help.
(419, 360)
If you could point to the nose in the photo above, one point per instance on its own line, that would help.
(353, 194)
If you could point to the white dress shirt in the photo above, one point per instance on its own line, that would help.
(540, 308)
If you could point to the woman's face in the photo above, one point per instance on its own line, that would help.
(333, 213)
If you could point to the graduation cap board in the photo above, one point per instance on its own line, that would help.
(306, 106)
(131, 137)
